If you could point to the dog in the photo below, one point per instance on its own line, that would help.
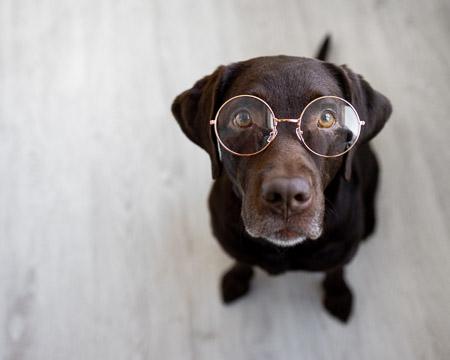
(280, 204)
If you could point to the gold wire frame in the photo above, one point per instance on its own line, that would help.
(299, 132)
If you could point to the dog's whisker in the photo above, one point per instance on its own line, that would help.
(330, 207)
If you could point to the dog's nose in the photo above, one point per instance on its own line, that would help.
(291, 195)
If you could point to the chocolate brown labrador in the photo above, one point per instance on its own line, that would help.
(287, 208)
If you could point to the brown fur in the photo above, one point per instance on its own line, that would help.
(340, 211)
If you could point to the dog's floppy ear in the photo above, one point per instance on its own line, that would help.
(373, 108)
(194, 108)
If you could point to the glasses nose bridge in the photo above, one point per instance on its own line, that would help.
(274, 133)
(295, 121)
(286, 120)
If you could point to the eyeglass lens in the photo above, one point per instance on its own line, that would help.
(329, 126)
(244, 125)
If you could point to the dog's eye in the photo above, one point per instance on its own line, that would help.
(243, 119)
(326, 119)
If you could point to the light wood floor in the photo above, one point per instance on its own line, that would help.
(105, 246)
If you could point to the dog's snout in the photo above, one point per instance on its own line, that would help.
(287, 194)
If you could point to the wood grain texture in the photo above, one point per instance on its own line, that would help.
(105, 245)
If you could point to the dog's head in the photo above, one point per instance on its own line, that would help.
(282, 187)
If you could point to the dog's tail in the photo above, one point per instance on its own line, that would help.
(324, 48)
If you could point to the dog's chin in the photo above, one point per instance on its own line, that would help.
(287, 237)
(284, 241)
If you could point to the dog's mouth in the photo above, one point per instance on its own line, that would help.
(283, 232)
(284, 210)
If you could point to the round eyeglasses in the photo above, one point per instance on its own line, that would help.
(329, 126)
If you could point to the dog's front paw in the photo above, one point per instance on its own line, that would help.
(338, 298)
(236, 282)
